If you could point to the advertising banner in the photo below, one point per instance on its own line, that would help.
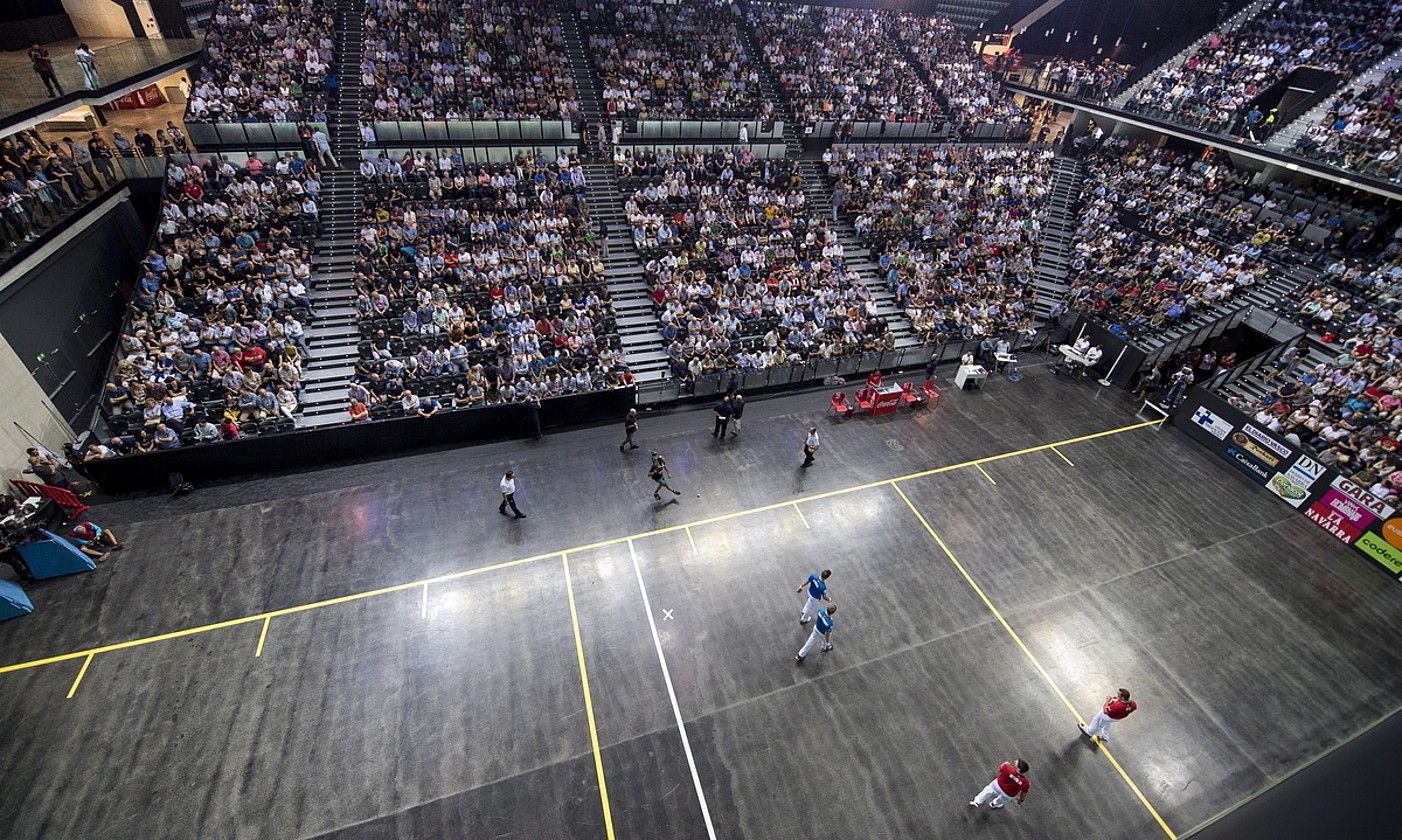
(1340, 507)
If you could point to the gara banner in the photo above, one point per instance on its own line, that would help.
(1346, 511)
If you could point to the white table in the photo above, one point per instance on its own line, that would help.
(970, 376)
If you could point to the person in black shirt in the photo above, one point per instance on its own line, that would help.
(722, 410)
(630, 427)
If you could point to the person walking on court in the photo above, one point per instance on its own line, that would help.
(822, 629)
(508, 495)
(1117, 707)
(722, 410)
(1011, 783)
(630, 428)
(659, 473)
(817, 593)
(810, 446)
(737, 410)
(44, 68)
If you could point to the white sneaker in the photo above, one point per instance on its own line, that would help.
(973, 805)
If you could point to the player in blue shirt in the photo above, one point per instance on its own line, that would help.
(817, 591)
(822, 628)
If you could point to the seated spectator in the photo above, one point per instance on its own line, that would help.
(741, 273)
(1214, 86)
(682, 61)
(953, 229)
(264, 62)
(494, 283)
(843, 64)
(473, 60)
(208, 324)
(1362, 131)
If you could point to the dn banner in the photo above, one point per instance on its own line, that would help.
(1344, 510)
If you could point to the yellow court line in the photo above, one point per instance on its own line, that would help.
(978, 590)
(400, 587)
(588, 700)
(262, 637)
(73, 689)
(798, 510)
(1063, 457)
(985, 474)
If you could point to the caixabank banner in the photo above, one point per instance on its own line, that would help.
(1340, 507)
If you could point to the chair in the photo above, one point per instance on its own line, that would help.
(911, 397)
(839, 404)
(931, 392)
(864, 399)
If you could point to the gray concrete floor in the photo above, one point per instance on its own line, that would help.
(1252, 641)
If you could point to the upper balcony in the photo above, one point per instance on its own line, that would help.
(122, 66)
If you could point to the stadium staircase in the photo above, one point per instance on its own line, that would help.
(856, 256)
(334, 336)
(1284, 139)
(1130, 93)
(637, 324)
(588, 89)
(1057, 238)
(769, 86)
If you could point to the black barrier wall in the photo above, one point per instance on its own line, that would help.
(324, 446)
(1285, 469)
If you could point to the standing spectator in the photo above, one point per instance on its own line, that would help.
(737, 410)
(44, 467)
(44, 68)
(87, 62)
(822, 628)
(508, 495)
(722, 410)
(82, 158)
(531, 407)
(1117, 707)
(659, 473)
(630, 428)
(810, 446)
(1011, 782)
(323, 148)
(101, 155)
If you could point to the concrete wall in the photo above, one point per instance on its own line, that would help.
(99, 18)
(25, 404)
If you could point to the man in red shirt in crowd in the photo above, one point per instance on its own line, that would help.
(1117, 707)
(1011, 784)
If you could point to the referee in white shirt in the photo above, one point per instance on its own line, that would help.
(810, 446)
(508, 495)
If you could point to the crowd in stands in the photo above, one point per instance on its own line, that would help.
(1362, 131)
(1156, 243)
(472, 60)
(1095, 81)
(479, 285)
(265, 62)
(741, 272)
(843, 64)
(214, 340)
(680, 61)
(1212, 88)
(974, 94)
(954, 230)
(42, 180)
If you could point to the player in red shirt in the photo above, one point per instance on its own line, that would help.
(1011, 784)
(1117, 707)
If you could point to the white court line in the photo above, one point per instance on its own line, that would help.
(672, 695)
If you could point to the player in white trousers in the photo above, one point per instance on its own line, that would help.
(817, 593)
(1117, 707)
(822, 629)
(1011, 783)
